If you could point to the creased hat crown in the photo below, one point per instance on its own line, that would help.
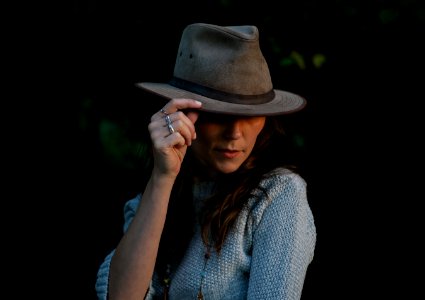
(227, 59)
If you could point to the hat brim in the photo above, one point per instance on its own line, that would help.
(283, 102)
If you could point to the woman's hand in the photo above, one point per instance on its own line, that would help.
(171, 132)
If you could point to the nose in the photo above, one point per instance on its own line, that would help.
(233, 129)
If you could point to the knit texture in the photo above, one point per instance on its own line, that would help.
(265, 256)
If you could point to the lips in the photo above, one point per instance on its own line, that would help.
(228, 153)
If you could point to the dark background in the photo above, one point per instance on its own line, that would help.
(358, 64)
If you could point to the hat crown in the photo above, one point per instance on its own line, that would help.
(224, 68)
(225, 59)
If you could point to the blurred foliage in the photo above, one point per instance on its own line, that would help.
(294, 58)
(117, 147)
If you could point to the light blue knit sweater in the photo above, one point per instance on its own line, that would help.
(265, 256)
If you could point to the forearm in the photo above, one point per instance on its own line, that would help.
(134, 260)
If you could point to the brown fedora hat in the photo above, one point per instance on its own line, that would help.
(224, 68)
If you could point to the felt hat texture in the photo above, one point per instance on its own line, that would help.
(223, 67)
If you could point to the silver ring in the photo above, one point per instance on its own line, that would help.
(170, 128)
(163, 111)
(168, 120)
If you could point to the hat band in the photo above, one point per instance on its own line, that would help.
(219, 95)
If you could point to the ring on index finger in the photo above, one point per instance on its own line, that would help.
(164, 112)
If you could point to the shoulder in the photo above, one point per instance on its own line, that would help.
(284, 186)
(282, 178)
(281, 195)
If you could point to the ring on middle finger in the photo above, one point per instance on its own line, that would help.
(170, 128)
(168, 120)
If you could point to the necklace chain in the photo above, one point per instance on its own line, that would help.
(166, 281)
(206, 258)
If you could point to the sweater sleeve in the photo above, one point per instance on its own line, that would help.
(102, 280)
(283, 242)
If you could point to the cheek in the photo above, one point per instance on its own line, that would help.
(206, 132)
(203, 138)
(257, 127)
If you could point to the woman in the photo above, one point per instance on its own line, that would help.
(222, 216)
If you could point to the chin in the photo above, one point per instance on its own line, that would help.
(227, 169)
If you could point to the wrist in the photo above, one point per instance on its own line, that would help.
(162, 178)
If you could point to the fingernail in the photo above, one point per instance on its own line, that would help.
(198, 102)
